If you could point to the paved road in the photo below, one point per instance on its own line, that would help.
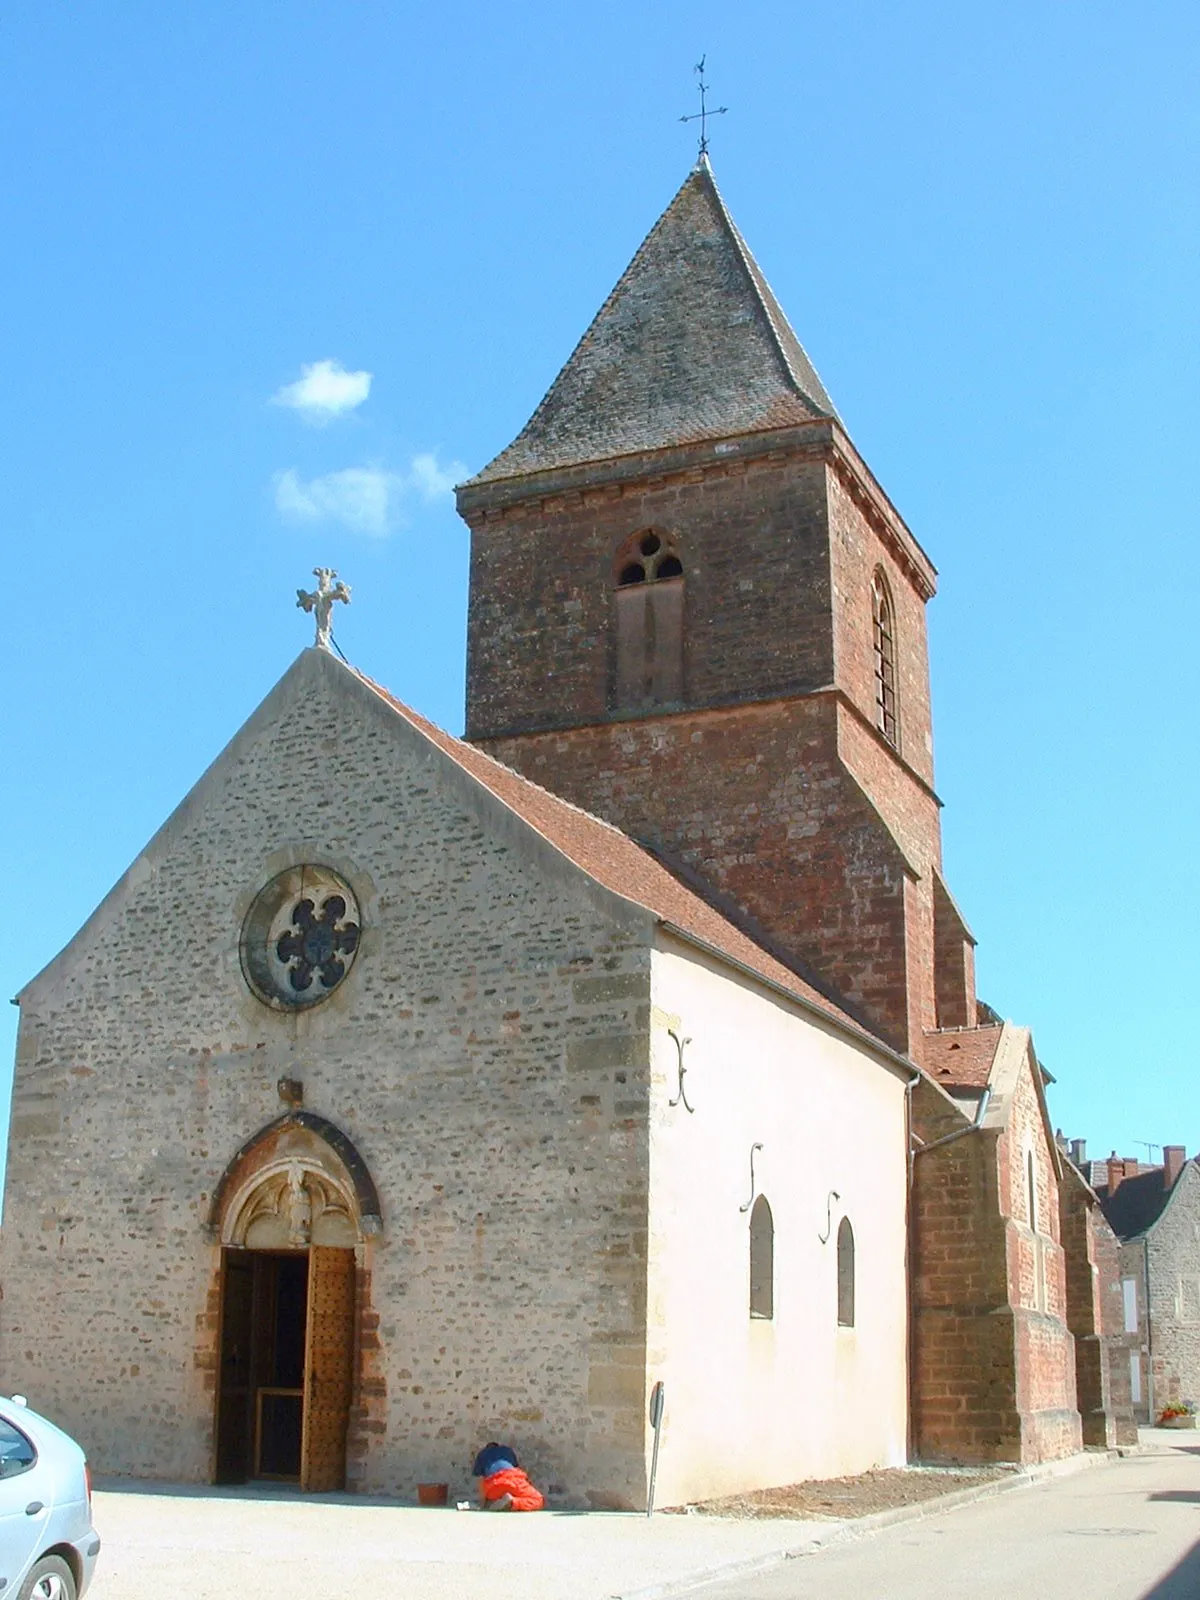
(1129, 1530)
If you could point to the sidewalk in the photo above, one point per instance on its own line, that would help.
(214, 1545)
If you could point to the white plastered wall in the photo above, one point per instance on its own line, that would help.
(754, 1403)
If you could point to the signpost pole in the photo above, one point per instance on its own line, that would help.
(656, 1416)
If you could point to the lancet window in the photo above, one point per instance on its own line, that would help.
(883, 630)
(762, 1261)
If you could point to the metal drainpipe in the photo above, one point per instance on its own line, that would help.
(960, 1133)
(910, 1330)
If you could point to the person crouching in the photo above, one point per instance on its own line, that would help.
(503, 1486)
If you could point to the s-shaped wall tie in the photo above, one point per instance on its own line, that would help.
(680, 1098)
(753, 1186)
(829, 1199)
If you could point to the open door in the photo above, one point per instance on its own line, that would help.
(328, 1367)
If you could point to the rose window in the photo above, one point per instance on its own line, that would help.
(300, 937)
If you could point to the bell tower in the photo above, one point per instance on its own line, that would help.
(695, 613)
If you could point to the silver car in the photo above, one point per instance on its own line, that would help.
(48, 1547)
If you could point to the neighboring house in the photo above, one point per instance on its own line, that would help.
(1155, 1213)
(393, 1101)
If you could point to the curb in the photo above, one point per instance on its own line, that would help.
(862, 1527)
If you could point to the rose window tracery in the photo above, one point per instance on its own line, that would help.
(316, 942)
(300, 937)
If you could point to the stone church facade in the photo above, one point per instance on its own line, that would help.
(409, 1092)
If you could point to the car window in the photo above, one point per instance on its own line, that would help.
(16, 1451)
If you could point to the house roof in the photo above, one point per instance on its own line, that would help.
(623, 867)
(1136, 1203)
(691, 344)
(961, 1058)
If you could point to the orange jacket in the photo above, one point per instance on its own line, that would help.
(511, 1480)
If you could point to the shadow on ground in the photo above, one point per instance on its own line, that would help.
(1182, 1582)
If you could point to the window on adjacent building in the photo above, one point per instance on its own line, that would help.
(648, 573)
(1135, 1377)
(883, 627)
(845, 1274)
(762, 1260)
(1129, 1300)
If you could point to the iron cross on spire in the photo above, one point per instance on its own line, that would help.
(704, 113)
(321, 601)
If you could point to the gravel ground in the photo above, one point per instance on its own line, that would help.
(840, 1498)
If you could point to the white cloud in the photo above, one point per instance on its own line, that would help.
(368, 499)
(323, 391)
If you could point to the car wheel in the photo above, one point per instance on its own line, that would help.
(49, 1579)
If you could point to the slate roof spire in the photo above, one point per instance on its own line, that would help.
(690, 345)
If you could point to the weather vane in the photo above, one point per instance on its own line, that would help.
(321, 601)
(704, 113)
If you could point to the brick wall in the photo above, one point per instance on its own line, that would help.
(756, 800)
(753, 540)
(768, 776)
(993, 1356)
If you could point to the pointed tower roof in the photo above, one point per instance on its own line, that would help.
(690, 345)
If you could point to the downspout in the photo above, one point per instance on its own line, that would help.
(915, 1150)
(960, 1133)
(910, 1331)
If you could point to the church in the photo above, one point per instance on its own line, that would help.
(411, 1091)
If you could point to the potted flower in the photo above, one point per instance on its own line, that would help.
(1178, 1414)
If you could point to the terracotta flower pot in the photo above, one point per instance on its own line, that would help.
(433, 1494)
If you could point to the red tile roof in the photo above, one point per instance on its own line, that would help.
(961, 1058)
(615, 861)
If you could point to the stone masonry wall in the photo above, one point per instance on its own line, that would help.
(487, 1053)
(1173, 1268)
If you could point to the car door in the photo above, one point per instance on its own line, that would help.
(26, 1499)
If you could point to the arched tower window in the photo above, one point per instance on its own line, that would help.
(883, 633)
(762, 1261)
(845, 1274)
(648, 573)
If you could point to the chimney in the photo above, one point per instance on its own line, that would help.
(1174, 1156)
(1116, 1171)
(1132, 1167)
(1079, 1152)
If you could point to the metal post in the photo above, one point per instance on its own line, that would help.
(656, 1416)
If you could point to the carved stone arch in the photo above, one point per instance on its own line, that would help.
(298, 1181)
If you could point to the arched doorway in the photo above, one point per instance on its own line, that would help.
(291, 1214)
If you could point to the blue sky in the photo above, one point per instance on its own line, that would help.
(983, 223)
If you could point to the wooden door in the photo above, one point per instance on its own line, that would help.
(328, 1367)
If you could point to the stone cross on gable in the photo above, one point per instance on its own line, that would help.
(321, 601)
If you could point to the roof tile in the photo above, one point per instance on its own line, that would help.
(961, 1058)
